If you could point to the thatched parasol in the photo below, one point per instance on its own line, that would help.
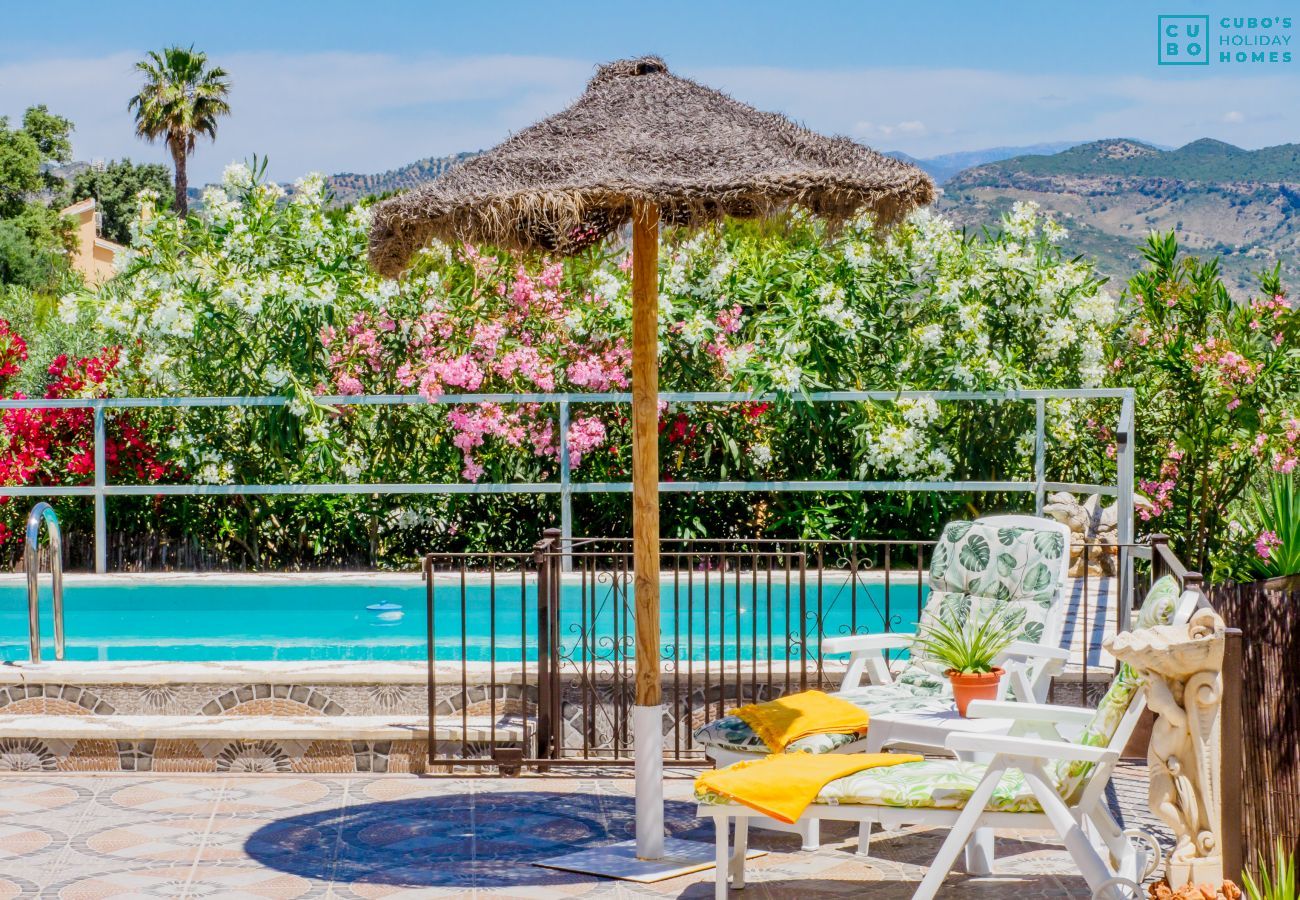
(639, 145)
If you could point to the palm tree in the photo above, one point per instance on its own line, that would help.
(181, 99)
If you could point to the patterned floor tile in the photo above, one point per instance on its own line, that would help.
(372, 837)
(155, 796)
(262, 796)
(171, 841)
(13, 886)
(26, 797)
(22, 842)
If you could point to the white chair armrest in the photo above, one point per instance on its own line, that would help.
(1023, 650)
(853, 643)
(1007, 745)
(1029, 712)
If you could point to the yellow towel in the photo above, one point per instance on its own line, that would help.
(783, 784)
(783, 721)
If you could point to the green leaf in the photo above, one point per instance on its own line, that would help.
(1006, 564)
(955, 531)
(1051, 544)
(1037, 578)
(1008, 536)
(939, 560)
(974, 554)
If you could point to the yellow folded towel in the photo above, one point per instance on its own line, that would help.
(783, 784)
(783, 721)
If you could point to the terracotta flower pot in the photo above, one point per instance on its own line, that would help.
(974, 686)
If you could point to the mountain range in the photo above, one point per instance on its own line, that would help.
(1240, 205)
(946, 165)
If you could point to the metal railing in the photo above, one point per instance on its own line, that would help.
(43, 513)
(533, 665)
(565, 487)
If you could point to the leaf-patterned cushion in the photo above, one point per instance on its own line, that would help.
(1160, 602)
(731, 733)
(1002, 563)
(1071, 775)
(1157, 609)
(976, 566)
(929, 784)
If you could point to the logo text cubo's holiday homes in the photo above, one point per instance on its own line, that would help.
(1224, 40)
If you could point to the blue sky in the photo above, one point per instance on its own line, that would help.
(337, 86)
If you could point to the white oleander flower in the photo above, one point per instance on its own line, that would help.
(931, 336)
(317, 432)
(786, 376)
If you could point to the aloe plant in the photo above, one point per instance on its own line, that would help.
(1277, 547)
(971, 644)
(1275, 879)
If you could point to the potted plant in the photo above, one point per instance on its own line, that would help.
(967, 647)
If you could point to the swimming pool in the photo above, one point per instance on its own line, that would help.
(310, 617)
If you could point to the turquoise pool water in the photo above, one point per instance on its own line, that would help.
(313, 618)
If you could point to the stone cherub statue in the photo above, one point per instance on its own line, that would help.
(1182, 667)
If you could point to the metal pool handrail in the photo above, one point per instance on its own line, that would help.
(43, 512)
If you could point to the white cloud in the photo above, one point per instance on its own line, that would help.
(325, 111)
(368, 112)
(869, 130)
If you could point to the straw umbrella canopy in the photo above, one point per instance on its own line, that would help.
(642, 145)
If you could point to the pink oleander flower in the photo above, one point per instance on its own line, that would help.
(348, 384)
(586, 433)
(1266, 543)
(729, 320)
(551, 275)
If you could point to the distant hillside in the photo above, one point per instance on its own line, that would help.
(349, 186)
(1240, 205)
(946, 165)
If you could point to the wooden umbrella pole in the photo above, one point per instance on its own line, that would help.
(648, 714)
(645, 448)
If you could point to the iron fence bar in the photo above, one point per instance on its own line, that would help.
(464, 669)
(431, 677)
(1124, 450)
(543, 729)
(888, 601)
(821, 618)
(677, 657)
(708, 620)
(803, 622)
(492, 653)
(555, 607)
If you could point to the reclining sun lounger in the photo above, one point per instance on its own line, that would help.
(1020, 560)
(1032, 778)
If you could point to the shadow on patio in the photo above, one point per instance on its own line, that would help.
(459, 840)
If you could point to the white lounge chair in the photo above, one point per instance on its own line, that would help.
(1021, 560)
(1030, 779)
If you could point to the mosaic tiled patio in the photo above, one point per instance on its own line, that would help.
(286, 836)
